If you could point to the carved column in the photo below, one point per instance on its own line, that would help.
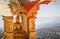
(8, 27)
(24, 21)
(32, 17)
(32, 32)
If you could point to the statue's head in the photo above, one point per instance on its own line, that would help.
(17, 26)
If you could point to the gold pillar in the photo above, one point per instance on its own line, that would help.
(24, 21)
(32, 17)
(32, 32)
(8, 27)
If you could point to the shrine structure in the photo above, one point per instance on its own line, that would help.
(26, 11)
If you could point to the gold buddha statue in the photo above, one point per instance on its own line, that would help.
(19, 33)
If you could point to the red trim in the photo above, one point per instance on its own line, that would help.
(29, 5)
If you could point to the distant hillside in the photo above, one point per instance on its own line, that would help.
(51, 31)
(1, 32)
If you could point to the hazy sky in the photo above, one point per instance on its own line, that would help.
(46, 14)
